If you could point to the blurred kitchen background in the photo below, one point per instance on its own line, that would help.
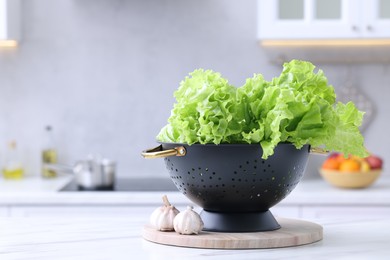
(102, 72)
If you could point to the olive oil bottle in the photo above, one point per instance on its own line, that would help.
(13, 168)
(49, 154)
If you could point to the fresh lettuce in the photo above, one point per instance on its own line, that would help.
(298, 107)
(205, 111)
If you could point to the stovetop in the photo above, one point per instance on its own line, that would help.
(129, 184)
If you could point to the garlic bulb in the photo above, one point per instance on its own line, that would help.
(162, 217)
(188, 222)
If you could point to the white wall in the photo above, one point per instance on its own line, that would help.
(102, 72)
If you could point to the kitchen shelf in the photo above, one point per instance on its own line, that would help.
(281, 59)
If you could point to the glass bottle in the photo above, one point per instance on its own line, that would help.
(49, 154)
(13, 168)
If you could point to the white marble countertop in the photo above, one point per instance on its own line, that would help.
(118, 235)
(38, 191)
(120, 238)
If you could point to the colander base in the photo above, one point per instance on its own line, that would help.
(239, 222)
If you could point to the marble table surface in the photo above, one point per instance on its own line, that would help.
(118, 235)
(120, 238)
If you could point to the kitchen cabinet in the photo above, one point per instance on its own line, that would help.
(143, 212)
(3, 211)
(331, 211)
(286, 211)
(323, 19)
(103, 211)
(9, 22)
(345, 212)
(109, 211)
(312, 199)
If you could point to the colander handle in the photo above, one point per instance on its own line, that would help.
(158, 152)
(318, 150)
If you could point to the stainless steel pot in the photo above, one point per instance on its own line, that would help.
(94, 175)
(90, 174)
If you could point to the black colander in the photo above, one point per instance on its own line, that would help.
(233, 185)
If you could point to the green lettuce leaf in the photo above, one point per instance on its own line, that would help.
(297, 107)
(205, 111)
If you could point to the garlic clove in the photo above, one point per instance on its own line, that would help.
(188, 222)
(162, 217)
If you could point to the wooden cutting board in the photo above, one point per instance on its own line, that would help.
(293, 232)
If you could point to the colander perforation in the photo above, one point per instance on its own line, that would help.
(235, 179)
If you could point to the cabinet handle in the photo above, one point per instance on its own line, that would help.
(355, 28)
(369, 28)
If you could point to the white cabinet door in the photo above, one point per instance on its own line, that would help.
(377, 19)
(285, 211)
(308, 19)
(323, 19)
(350, 212)
(3, 211)
(134, 212)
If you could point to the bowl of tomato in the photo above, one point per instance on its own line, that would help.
(351, 171)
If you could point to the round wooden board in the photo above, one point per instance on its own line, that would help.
(293, 232)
